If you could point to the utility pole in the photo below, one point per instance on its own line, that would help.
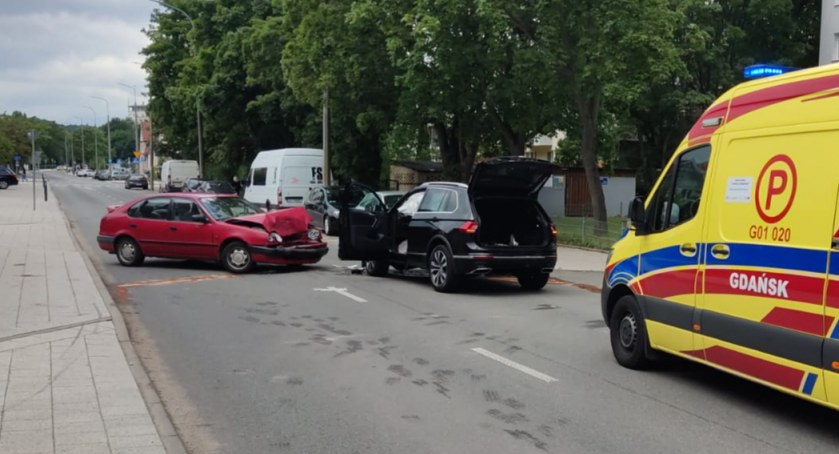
(81, 120)
(151, 154)
(66, 155)
(108, 113)
(326, 175)
(95, 139)
(136, 122)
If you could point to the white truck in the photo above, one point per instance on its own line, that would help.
(282, 178)
(174, 173)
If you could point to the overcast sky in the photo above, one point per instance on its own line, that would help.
(56, 54)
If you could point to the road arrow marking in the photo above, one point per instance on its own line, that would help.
(342, 291)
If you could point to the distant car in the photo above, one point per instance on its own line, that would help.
(81, 173)
(102, 174)
(7, 178)
(136, 181)
(208, 186)
(494, 225)
(119, 173)
(372, 201)
(213, 227)
(322, 205)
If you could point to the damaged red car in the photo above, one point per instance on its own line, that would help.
(214, 227)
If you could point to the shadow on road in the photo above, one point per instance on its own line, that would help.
(743, 394)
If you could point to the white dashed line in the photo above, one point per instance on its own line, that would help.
(519, 367)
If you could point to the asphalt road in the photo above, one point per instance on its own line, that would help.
(280, 361)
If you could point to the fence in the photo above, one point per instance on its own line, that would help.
(582, 231)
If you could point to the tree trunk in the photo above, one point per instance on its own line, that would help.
(588, 106)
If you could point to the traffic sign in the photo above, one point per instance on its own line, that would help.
(17, 157)
(137, 154)
(135, 161)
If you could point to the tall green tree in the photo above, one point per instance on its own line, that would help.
(602, 54)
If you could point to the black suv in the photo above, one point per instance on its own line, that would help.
(493, 225)
(7, 178)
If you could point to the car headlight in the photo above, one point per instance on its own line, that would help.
(314, 234)
(275, 238)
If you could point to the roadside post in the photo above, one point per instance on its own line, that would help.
(32, 135)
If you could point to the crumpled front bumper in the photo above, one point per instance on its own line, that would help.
(305, 253)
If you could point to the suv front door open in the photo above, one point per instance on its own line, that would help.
(363, 233)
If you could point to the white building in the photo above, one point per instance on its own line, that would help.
(829, 48)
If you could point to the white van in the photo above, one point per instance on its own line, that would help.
(282, 178)
(174, 173)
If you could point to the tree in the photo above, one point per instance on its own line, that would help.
(602, 54)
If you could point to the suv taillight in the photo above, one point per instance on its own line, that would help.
(553, 230)
(469, 227)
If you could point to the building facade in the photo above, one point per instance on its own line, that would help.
(829, 42)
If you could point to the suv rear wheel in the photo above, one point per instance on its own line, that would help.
(534, 281)
(441, 269)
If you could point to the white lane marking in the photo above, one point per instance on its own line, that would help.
(342, 291)
(519, 367)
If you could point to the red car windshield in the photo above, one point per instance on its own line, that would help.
(222, 208)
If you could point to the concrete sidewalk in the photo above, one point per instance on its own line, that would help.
(65, 384)
(573, 259)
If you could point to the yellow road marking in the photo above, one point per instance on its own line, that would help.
(180, 280)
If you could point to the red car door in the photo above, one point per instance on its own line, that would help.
(149, 226)
(190, 231)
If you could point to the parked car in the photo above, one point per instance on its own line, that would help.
(213, 227)
(373, 201)
(81, 173)
(494, 225)
(102, 174)
(208, 186)
(136, 181)
(174, 173)
(322, 205)
(120, 173)
(7, 178)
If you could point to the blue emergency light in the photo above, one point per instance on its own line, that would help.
(758, 71)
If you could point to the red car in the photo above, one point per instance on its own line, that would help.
(218, 227)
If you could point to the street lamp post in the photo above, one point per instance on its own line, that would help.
(81, 121)
(197, 97)
(136, 122)
(95, 139)
(108, 113)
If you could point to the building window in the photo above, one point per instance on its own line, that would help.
(836, 47)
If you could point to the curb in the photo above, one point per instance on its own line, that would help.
(161, 419)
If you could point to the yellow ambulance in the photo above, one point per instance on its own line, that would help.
(733, 259)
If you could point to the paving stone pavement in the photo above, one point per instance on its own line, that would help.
(65, 385)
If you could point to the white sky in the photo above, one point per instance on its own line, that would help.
(56, 54)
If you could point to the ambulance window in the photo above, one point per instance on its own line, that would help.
(678, 196)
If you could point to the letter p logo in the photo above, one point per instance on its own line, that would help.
(777, 185)
(775, 189)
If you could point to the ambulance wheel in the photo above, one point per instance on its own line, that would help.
(628, 334)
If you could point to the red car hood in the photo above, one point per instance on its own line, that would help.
(285, 222)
